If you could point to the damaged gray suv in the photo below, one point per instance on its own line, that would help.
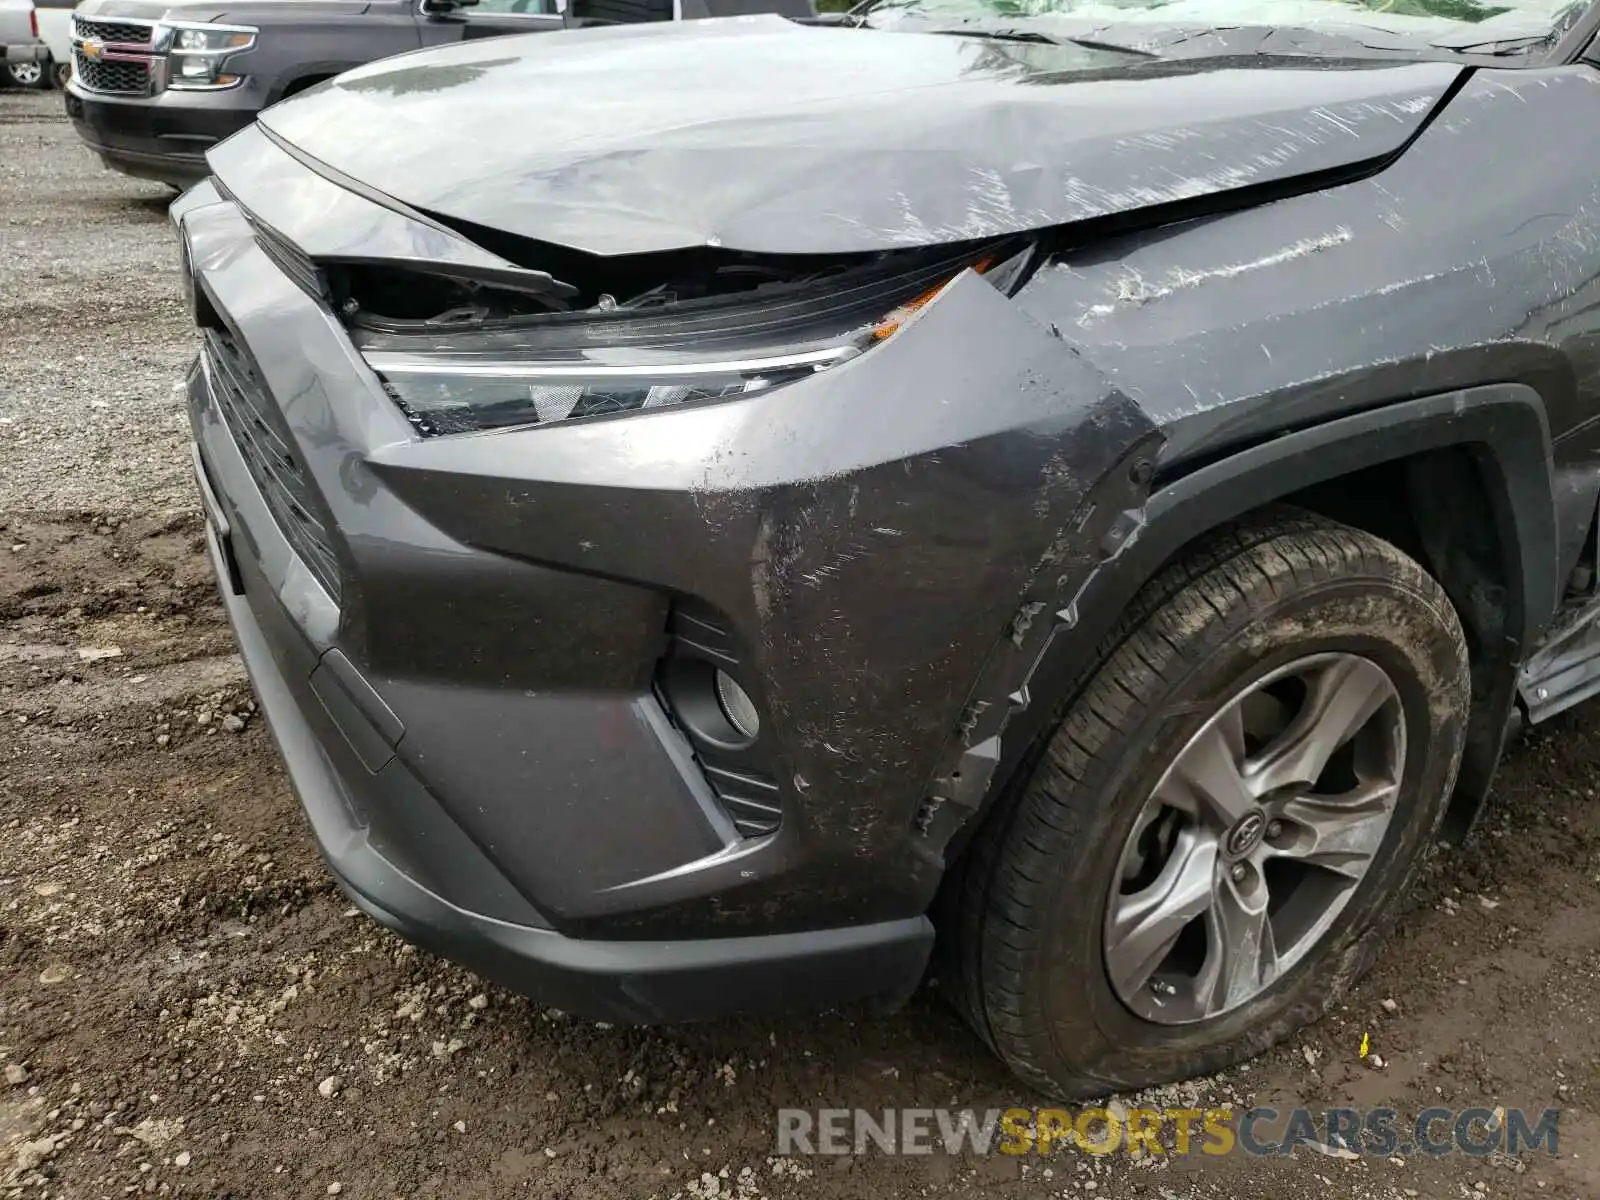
(721, 515)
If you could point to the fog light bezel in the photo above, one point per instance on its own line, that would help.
(690, 687)
(741, 771)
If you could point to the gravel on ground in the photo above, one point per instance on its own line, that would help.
(188, 1006)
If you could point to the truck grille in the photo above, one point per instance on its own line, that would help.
(270, 456)
(114, 76)
(128, 33)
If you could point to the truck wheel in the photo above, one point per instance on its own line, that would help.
(61, 73)
(1211, 846)
(27, 74)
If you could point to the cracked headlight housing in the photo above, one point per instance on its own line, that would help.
(443, 395)
(199, 56)
(649, 359)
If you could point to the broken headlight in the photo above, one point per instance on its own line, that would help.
(608, 361)
(442, 395)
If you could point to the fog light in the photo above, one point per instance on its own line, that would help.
(737, 706)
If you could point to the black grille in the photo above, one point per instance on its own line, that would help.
(270, 456)
(102, 75)
(751, 800)
(113, 31)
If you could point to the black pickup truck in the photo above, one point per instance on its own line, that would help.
(155, 84)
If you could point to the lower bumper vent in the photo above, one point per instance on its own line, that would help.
(733, 750)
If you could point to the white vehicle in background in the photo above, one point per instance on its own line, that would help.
(20, 47)
(55, 30)
(36, 42)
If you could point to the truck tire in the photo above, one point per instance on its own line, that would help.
(1211, 845)
(28, 74)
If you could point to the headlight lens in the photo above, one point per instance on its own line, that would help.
(199, 54)
(537, 380)
(443, 395)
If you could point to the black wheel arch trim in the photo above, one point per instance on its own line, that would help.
(1504, 425)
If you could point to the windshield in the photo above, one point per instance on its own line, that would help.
(1461, 24)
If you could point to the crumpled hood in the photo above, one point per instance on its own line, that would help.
(762, 135)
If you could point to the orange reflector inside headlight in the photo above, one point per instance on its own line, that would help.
(891, 323)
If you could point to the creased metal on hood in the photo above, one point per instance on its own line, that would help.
(761, 135)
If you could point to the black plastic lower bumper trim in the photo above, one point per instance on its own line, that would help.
(153, 141)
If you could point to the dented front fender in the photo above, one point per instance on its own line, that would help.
(878, 539)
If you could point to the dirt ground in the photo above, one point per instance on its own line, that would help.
(188, 1007)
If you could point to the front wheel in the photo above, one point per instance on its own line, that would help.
(1207, 851)
(61, 73)
(27, 74)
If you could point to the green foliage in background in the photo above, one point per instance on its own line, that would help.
(1469, 11)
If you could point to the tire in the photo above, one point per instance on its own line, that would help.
(61, 75)
(28, 74)
(1041, 902)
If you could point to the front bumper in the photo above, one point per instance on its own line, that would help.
(640, 980)
(163, 137)
(466, 698)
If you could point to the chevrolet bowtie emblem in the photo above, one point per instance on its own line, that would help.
(93, 48)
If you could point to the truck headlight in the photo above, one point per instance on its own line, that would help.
(199, 55)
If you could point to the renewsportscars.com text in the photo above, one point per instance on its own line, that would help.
(1214, 1131)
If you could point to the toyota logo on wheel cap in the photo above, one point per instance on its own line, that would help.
(1244, 835)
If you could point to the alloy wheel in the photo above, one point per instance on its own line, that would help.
(25, 74)
(1255, 838)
